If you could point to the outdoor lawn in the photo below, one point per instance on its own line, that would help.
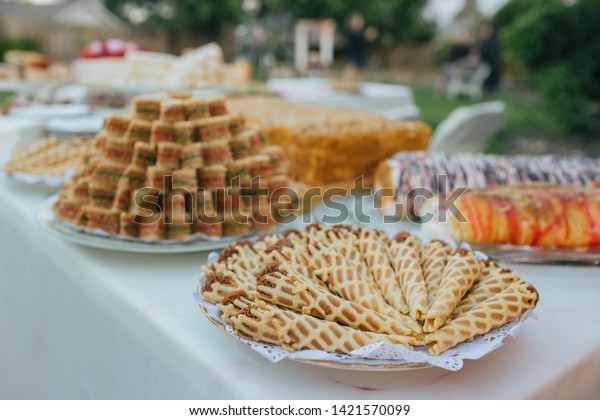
(526, 119)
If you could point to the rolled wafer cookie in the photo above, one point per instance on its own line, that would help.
(461, 270)
(490, 283)
(342, 279)
(233, 303)
(293, 331)
(220, 281)
(370, 243)
(280, 285)
(404, 250)
(504, 307)
(433, 261)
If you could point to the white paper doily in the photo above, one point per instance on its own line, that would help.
(390, 354)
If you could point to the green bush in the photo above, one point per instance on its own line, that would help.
(558, 44)
(24, 44)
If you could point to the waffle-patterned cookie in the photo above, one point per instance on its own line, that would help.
(301, 290)
(48, 156)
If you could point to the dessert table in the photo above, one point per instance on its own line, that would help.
(81, 323)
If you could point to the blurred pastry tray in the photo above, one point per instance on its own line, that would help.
(585, 256)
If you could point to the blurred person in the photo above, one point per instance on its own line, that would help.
(489, 49)
(358, 37)
(460, 47)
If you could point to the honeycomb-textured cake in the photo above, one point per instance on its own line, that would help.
(176, 166)
(329, 145)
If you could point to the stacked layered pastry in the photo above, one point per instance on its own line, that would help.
(536, 215)
(330, 145)
(176, 166)
(405, 179)
(340, 288)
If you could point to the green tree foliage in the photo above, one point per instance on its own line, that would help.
(398, 20)
(557, 42)
(208, 17)
(24, 44)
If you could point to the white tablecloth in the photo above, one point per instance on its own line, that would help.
(78, 322)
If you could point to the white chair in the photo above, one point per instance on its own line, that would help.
(468, 128)
(467, 81)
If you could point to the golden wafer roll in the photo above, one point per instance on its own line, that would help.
(504, 307)
(280, 285)
(293, 331)
(433, 261)
(342, 279)
(404, 250)
(221, 282)
(489, 284)
(371, 244)
(462, 269)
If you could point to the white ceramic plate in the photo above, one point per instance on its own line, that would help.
(86, 125)
(48, 222)
(50, 111)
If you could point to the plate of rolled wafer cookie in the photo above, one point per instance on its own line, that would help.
(353, 298)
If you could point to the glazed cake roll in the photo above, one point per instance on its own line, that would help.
(240, 146)
(213, 128)
(118, 149)
(147, 107)
(128, 226)
(196, 109)
(152, 228)
(101, 195)
(191, 156)
(117, 124)
(104, 219)
(216, 106)
(158, 177)
(162, 131)
(217, 152)
(213, 177)
(185, 178)
(107, 173)
(144, 155)
(135, 175)
(172, 110)
(168, 155)
(534, 215)
(139, 130)
(236, 124)
(185, 132)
